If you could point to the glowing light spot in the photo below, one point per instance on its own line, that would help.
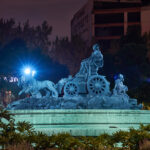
(27, 71)
(33, 72)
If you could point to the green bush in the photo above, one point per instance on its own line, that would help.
(13, 136)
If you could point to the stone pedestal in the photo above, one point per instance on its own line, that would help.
(82, 122)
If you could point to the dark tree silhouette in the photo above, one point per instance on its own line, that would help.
(24, 44)
(21, 45)
(70, 53)
(134, 63)
(34, 36)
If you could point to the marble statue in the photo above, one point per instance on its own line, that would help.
(86, 90)
(91, 65)
(87, 82)
(120, 88)
(33, 87)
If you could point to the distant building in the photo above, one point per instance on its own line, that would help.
(108, 20)
(145, 19)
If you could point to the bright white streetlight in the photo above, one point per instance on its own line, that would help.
(27, 71)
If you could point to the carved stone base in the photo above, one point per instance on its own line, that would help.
(77, 102)
(83, 122)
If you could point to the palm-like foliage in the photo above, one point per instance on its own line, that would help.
(12, 133)
(21, 134)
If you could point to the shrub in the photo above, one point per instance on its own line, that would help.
(22, 136)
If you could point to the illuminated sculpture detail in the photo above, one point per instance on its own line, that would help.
(33, 87)
(86, 90)
(120, 88)
(87, 80)
(91, 65)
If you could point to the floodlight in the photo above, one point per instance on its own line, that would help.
(27, 71)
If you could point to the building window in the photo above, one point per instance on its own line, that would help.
(134, 17)
(109, 18)
(114, 5)
(109, 31)
(134, 28)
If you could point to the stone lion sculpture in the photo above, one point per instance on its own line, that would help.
(32, 86)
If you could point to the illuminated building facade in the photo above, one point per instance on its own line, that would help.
(107, 20)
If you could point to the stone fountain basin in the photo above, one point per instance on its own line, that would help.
(83, 122)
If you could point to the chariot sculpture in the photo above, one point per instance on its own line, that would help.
(87, 80)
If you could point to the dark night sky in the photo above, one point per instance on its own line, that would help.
(57, 12)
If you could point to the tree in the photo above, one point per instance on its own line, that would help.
(132, 56)
(69, 53)
(13, 133)
(21, 45)
(21, 41)
(34, 36)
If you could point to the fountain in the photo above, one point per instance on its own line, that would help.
(86, 90)
(82, 105)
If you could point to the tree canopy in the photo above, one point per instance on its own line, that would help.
(70, 53)
(22, 44)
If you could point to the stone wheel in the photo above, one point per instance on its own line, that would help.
(97, 85)
(71, 89)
